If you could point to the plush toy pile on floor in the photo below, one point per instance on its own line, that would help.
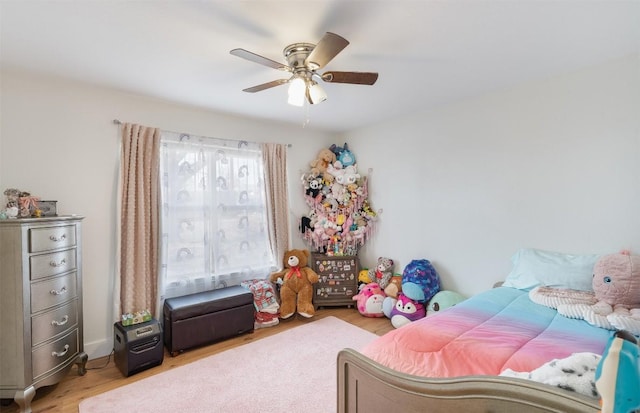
(405, 298)
(340, 219)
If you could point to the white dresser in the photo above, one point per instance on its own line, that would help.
(40, 304)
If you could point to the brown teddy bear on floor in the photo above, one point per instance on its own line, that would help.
(296, 284)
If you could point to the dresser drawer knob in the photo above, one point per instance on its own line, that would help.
(57, 239)
(60, 353)
(58, 264)
(62, 322)
(58, 292)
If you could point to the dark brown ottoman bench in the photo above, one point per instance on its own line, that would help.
(203, 318)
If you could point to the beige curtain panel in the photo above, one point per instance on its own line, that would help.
(275, 170)
(139, 218)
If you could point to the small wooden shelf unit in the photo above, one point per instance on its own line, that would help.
(338, 280)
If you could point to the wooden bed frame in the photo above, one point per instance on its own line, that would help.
(366, 386)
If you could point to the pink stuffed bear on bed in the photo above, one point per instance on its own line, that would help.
(614, 303)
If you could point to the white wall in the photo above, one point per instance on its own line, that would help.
(58, 142)
(553, 164)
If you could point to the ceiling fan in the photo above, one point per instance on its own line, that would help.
(303, 61)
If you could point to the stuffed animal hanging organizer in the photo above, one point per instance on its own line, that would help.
(340, 219)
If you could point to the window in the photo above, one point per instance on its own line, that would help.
(213, 214)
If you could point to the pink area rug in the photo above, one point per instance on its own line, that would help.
(292, 371)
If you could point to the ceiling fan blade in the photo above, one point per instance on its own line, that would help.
(357, 78)
(256, 58)
(267, 85)
(327, 48)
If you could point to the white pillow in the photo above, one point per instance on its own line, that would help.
(532, 267)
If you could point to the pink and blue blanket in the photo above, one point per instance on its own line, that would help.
(493, 331)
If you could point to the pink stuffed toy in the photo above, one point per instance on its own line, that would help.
(369, 300)
(614, 303)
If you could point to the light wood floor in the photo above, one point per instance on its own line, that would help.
(65, 396)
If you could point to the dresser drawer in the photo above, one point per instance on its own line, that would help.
(45, 294)
(46, 265)
(54, 322)
(50, 356)
(51, 238)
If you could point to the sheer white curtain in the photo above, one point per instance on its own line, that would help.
(213, 214)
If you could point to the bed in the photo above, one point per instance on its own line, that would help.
(452, 361)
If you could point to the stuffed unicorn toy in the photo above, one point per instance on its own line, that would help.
(614, 303)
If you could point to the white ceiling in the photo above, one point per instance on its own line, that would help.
(427, 52)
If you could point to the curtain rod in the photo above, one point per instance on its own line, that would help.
(117, 122)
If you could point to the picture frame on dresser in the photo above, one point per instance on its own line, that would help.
(48, 208)
(40, 304)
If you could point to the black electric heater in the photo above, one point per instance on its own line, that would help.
(137, 347)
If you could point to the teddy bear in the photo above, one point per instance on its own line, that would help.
(320, 164)
(382, 272)
(296, 284)
(614, 302)
(13, 196)
(358, 220)
(12, 207)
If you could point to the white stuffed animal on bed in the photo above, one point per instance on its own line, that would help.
(614, 302)
(574, 373)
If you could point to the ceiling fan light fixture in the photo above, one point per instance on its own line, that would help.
(297, 91)
(316, 93)
(303, 60)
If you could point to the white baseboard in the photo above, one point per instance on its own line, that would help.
(99, 348)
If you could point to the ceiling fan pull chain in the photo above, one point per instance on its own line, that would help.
(307, 118)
